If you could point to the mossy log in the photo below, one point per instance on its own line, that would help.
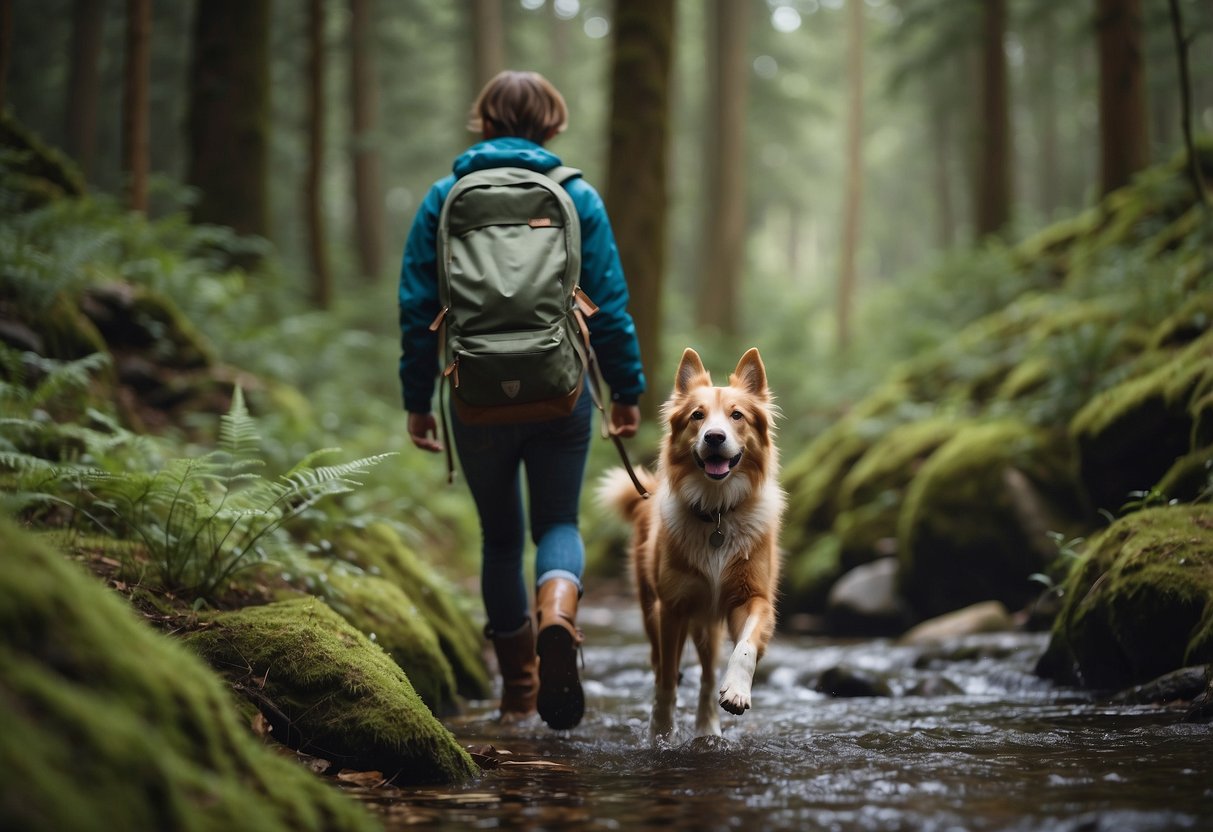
(379, 549)
(106, 724)
(385, 614)
(329, 691)
(1140, 602)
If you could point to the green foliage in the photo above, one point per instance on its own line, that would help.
(205, 518)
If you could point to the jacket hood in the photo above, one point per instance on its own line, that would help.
(505, 152)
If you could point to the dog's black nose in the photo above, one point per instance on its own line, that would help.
(714, 438)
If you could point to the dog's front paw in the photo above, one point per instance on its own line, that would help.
(661, 722)
(735, 697)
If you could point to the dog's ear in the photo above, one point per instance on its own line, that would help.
(690, 371)
(750, 374)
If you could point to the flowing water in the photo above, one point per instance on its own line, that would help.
(994, 748)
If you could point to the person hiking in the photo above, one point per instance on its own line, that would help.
(516, 114)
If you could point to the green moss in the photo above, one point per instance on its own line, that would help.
(106, 724)
(894, 459)
(1192, 320)
(379, 550)
(1129, 435)
(975, 521)
(328, 690)
(384, 613)
(41, 173)
(1189, 477)
(1140, 602)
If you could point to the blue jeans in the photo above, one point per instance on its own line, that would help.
(554, 454)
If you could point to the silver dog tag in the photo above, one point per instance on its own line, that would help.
(716, 539)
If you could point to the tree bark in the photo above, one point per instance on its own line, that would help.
(636, 192)
(488, 43)
(1185, 99)
(992, 201)
(6, 46)
(84, 82)
(322, 276)
(364, 143)
(136, 158)
(724, 226)
(229, 120)
(1123, 134)
(853, 194)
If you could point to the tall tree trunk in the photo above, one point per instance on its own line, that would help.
(229, 120)
(724, 227)
(853, 192)
(1124, 146)
(941, 150)
(6, 46)
(992, 201)
(322, 276)
(1185, 102)
(1050, 134)
(636, 192)
(364, 143)
(488, 42)
(84, 82)
(136, 155)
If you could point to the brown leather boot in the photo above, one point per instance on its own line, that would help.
(561, 700)
(519, 677)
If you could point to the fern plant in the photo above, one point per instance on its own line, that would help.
(204, 519)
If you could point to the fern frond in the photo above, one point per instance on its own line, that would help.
(238, 435)
(307, 480)
(65, 377)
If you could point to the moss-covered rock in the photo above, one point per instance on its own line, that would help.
(1140, 602)
(36, 171)
(1130, 435)
(328, 690)
(975, 521)
(379, 550)
(106, 724)
(385, 614)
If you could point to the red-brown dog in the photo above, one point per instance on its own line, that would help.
(705, 546)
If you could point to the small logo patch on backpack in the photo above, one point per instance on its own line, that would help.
(511, 388)
(540, 222)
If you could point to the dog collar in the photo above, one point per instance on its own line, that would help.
(716, 538)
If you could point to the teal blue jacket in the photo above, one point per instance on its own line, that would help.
(612, 331)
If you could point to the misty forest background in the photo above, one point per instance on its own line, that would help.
(841, 184)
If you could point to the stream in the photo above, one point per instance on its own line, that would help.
(969, 740)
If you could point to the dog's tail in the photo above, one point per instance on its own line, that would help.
(615, 490)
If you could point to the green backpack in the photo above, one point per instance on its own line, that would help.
(512, 325)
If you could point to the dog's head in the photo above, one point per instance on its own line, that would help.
(719, 435)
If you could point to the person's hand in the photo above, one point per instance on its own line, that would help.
(423, 430)
(625, 419)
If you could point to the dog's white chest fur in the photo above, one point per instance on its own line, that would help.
(740, 530)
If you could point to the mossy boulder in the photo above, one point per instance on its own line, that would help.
(976, 520)
(1140, 602)
(385, 614)
(327, 690)
(1130, 435)
(379, 549)
(106, 724)
(871, 494)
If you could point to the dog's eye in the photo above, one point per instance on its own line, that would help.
(697, 415)
(736, 416)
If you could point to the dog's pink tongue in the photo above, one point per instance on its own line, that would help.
(716, 466)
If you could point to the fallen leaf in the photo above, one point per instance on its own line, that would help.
(370, 779)
(261, 725)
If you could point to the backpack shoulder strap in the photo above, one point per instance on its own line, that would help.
(562, 173)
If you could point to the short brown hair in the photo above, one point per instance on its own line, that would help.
(522, 104)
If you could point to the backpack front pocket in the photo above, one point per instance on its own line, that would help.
(514, 367)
